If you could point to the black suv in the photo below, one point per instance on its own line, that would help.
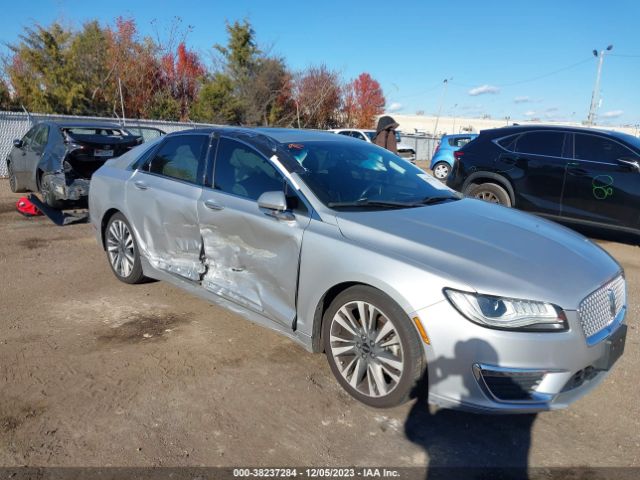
(574, 175)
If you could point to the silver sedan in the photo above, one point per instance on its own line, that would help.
(352, 251)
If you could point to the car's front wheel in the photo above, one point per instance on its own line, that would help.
(372, 347)
(490, 192)
(441, 170)
(122, 250)
(13, 181)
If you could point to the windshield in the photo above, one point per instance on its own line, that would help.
(343, 172)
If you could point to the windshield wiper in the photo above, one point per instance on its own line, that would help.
(434, 200)
(364, 203)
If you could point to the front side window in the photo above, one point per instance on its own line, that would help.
(28, 138)
(598, 149)
(41, 137)
(181, 157)
(340, 173)
(541, 143)
(242, 171)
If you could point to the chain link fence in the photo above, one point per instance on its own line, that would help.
(15, 124)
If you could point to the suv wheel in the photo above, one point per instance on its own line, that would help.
(372, 347)
(490, 192)
(441, 170)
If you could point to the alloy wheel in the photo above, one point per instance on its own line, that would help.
(120, 248)
(366, 347)
(441, 171)
(488, 197)
(13, 184)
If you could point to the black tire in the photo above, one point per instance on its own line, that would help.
(490, 192)
(134, 274)
(47, 194)
(13, 181)
(441, 167)
(412, 355)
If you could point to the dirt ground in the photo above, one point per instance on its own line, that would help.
(94, 372)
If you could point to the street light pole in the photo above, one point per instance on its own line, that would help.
(444, 93)
(595, 96)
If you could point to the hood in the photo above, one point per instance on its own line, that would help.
(385, 123)
(493, 249)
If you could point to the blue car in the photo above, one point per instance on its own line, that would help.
(442, 159)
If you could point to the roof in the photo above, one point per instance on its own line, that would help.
(512, 129)
(83, 124)
(279, 135)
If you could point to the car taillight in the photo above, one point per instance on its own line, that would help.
(437, 148)
(458, 154)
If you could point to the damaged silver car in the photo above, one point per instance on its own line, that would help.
(58, 159)
(354, 252)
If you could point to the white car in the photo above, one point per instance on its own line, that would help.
(404, 150)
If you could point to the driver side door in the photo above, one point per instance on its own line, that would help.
(252, 256)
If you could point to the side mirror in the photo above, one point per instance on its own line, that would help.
(273, 201)
(274, 204)
(17, 143)
(630, 162)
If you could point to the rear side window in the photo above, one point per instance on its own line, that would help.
(459, 141)
(181, 157)
(541, 143)
(509, 143)
(598, 149)
(242, 171)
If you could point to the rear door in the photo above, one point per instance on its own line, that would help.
(535, 163)
(252, 257)
(598, 187)
(162, 198)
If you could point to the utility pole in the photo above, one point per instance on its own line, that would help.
(442, 96)
(121, 100)
(595, 96)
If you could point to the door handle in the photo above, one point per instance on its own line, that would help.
(212, 205)
(577, 172)
(139, 184)
(508, 160)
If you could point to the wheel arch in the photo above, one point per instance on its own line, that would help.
(478, 178)
(103, 223)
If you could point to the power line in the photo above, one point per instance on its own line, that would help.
(538, 77)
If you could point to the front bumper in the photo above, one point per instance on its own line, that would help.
(495, 371)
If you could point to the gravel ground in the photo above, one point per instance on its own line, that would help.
(94, 372)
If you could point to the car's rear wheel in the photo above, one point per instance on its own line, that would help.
(47, 193)
(122, 250)
(490, 192)
(372, 347)
(441, 170)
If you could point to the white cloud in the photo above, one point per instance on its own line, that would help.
(529, 113)
(613, 113)
(394, 107)
(551, 109)
(523, 99)
(483, 89)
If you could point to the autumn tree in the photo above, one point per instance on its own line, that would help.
(317, 96)
(181, 72)
(363, 101)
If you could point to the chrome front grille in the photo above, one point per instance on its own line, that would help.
(599, 309)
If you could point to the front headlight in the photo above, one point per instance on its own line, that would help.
(507, 313)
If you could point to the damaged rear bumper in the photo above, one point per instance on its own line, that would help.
(69, 188)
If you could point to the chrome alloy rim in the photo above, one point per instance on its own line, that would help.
(366, 347)
(441, 171)
(120, 248)
(488, 197)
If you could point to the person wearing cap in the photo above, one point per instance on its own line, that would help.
(386, 134)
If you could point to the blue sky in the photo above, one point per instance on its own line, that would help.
(411, 46)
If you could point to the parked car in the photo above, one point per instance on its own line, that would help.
(58, 159)
(442, 159)
(576, 175)
(146, 133)
(404, 150)
(348, 249)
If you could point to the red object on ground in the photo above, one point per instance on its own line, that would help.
(26, 208)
